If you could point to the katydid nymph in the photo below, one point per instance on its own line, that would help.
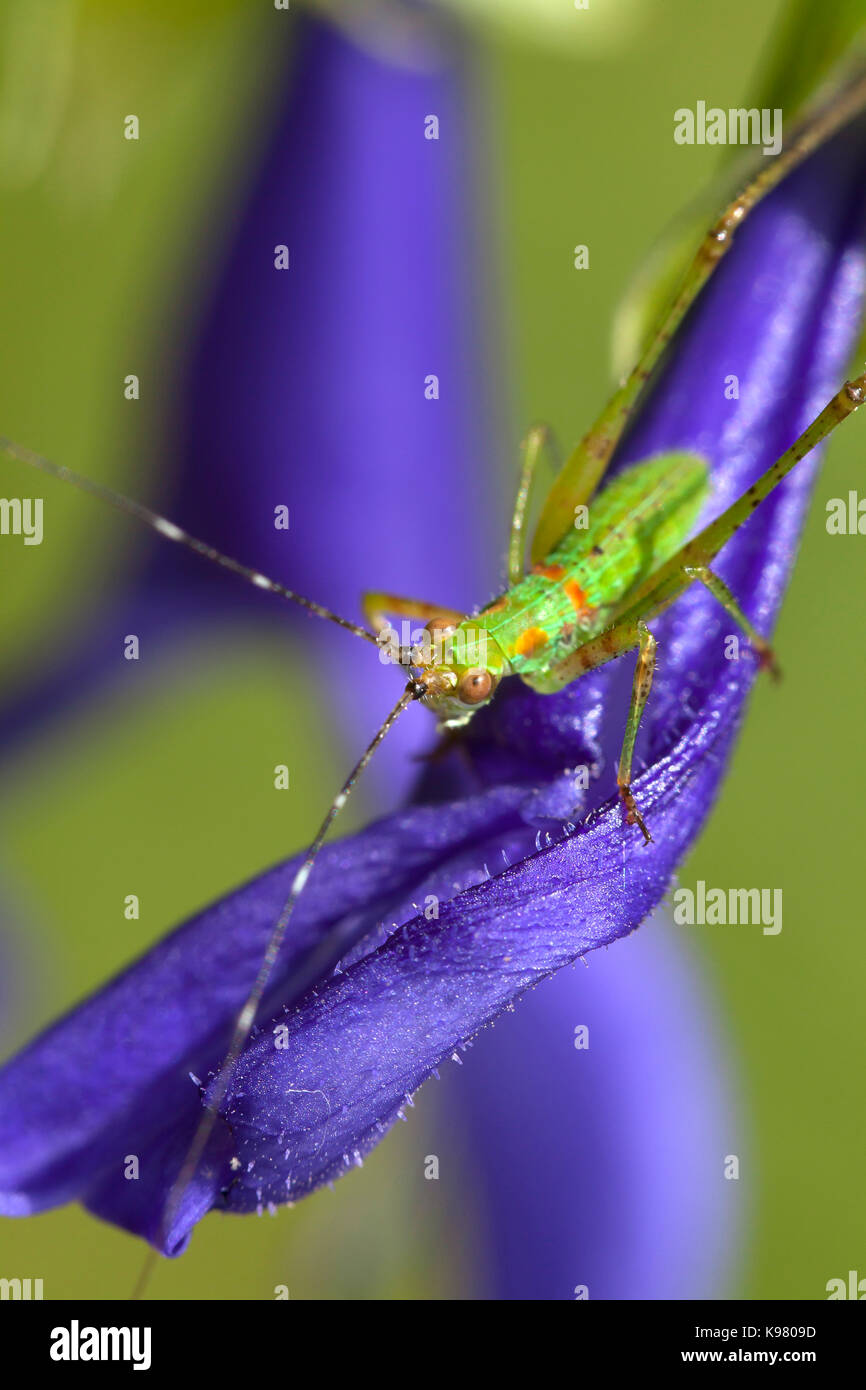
(589, 594)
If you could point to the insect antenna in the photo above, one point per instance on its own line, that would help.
(246, 1017)
(170, 532)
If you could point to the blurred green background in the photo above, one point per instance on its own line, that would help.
(106, 248)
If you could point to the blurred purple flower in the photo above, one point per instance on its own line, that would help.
(518, 898)
(603, 1167)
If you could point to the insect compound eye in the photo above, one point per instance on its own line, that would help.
(474, 686)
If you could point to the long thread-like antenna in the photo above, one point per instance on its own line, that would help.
(246, 1017)
(170, 532)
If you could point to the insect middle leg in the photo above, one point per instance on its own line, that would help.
(641, 687)
(623, 636)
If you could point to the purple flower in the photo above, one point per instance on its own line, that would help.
(507, 896)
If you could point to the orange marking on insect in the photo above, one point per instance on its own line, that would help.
(530, 641)
(577, 597)
(549, 571)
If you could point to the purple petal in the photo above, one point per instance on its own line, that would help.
(112, 1078)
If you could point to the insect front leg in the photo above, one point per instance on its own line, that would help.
(719, 589)
(641, 687)
(376, 605)
(437, 623)
(539, 439)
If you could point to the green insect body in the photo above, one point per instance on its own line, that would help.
(637, 522)
(632, 562)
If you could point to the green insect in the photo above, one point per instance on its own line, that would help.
(591, 591)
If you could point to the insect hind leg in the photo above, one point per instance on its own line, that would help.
(720, 591)
(587, 464)
(538, 441)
